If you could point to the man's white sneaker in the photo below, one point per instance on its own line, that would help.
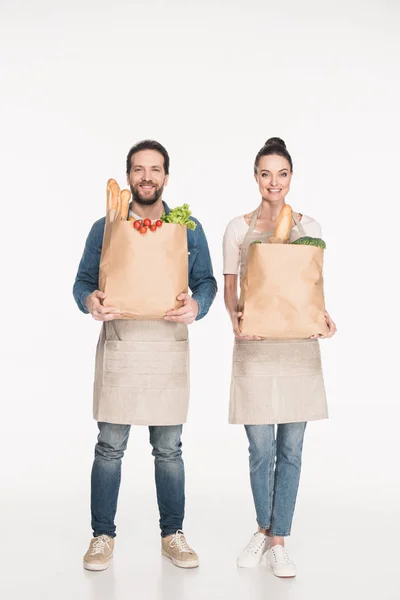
(253, 553)
(280, 563)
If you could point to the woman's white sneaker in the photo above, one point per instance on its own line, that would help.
(280, 563)
(254, 551)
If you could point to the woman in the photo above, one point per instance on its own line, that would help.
(274, 382)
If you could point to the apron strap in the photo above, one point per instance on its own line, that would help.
(254, 220)
(251, 226)
(299, 226)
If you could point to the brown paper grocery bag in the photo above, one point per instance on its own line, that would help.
(282, 294)
(142, 274)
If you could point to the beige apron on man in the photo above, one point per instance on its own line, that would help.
(142, 373)
(275, 381)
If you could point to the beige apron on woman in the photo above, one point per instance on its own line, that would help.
(275, 381)
(142, 373)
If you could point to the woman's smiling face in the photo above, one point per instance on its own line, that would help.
(273, 177)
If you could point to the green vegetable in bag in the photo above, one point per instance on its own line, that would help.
(310, 241)
(181, 216)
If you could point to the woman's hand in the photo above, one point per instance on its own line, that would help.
(331, 326)
(235, 318)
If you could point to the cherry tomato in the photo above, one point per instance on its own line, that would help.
(153, 228)
(137, 224)
(147, 222)
(158, 223)
(143, 230)
(131, 219)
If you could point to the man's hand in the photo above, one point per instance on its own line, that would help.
(98, 311)
(331, 326)
(235, 318)
(186, 314)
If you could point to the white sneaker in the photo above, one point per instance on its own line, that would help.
(280, 563)
(253, 553)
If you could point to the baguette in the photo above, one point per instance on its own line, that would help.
(284, 224)
(115, 192)
(110, 183)
(109, 203)
(125, 197)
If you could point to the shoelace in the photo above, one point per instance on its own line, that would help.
(255, 544)
(98, 545)
(283, 555)
(179, 542)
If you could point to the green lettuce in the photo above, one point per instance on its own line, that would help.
(181, 216)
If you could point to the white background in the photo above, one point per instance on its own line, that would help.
(81, 83)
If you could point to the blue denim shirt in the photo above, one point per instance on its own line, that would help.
(201, 279)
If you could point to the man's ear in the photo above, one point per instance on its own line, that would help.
(166, 180)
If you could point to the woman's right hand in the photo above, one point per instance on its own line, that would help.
(235, 318)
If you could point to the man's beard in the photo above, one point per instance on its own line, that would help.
(147, 201)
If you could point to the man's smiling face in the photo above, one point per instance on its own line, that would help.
(147, 177)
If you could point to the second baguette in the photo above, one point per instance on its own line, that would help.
(125, 197)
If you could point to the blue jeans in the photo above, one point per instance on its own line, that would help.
(275, 467)
(169, 475)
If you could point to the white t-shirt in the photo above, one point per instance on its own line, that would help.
(236, 232)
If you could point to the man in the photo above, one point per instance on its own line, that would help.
(138, 400)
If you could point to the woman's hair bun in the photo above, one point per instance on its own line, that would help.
(273, 146)
(275, 141)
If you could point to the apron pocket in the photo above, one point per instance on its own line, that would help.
(145, 364)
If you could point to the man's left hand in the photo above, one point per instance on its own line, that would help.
(331, 328)
(187, 313)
